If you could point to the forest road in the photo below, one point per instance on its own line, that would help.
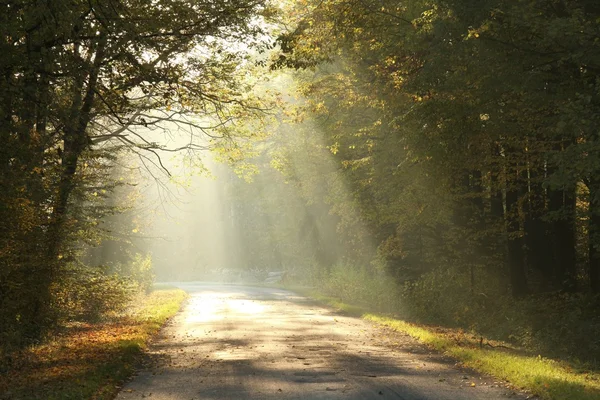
(242, 342)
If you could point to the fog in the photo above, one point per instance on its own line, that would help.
(190, 234)
(205, 220)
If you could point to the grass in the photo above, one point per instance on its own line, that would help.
(89, 361)
(340, 306)
(546, 378)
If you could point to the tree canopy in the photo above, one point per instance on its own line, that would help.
(81, 80)
(442, 148)
(461, 142)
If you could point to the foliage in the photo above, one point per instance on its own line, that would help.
(359, 286)
(89, 294)
(138, 271)
(81, 84)
(450, 124)
(451, 147)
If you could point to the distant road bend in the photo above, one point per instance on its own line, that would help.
(242, 342)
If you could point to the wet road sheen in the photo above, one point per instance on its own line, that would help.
(242, 342)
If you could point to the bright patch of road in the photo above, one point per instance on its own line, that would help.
(242, 342)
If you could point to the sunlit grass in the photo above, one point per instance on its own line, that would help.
(89, 360)
(548, 379)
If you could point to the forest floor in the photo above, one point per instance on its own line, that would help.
(548, 379)
(243, 342)
(88, 360)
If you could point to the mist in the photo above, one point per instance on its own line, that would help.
(277, 208)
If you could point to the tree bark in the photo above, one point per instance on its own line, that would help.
(594, 236)
(516, 255)
(75, 141)
(496, 199)
(536, 238)
(563, 202)
(476, 188)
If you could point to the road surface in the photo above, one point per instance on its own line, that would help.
(241, 342)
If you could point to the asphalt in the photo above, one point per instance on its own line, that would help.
(243, 342)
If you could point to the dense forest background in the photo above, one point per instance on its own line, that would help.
(447, 158)
(438, 159)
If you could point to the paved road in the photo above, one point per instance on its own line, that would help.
(240, 342)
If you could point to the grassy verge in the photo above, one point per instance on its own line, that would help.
(340, 306)
(89, 361)
(548, 379)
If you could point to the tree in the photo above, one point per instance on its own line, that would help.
(495, 101)
(75, 74)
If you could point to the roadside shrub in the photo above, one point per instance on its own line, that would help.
(561, 324)
(553, 324)
(89, 293)
(140, 272)
(86, 293)
(360, 285)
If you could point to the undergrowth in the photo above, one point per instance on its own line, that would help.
(88, 360)
(548, 344)
(549, 379)
(557, 325)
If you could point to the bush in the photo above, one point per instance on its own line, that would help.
(555, 324)
(552, 324)
(89, 293)
(359, 285)
(141, 273)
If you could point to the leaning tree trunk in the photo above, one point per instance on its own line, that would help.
(75, 142)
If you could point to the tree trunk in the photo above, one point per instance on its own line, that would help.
(75, 141)
(476, 188)
(594, 236)
(496, 200)
(35, 315)
(536, 238)
(497, 186)
(563, 238)
(516, 262)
